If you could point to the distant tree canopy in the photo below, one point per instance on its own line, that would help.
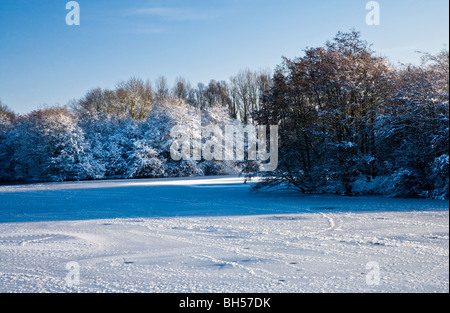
(349, 122)
(136, 98)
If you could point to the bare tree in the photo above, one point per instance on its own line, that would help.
(161, 89)
(246, 90)
(181, 88)
(200, 96)
(135, 98)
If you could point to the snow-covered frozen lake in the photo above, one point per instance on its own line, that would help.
(214, 235)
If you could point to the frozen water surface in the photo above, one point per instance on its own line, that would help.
(214, 235)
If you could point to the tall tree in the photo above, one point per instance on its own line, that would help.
(326, 103)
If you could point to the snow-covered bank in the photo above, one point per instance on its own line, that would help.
(272, 253)
(128, 239)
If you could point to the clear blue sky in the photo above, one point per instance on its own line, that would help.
(43, 60)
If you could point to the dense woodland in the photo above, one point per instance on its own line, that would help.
(349, 122)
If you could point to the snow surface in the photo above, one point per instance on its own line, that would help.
(214, 235)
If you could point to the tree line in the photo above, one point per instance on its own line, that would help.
(136, 98)
(349, 122)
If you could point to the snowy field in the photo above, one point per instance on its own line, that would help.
(214, 235)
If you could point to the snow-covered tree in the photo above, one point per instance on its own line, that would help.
(145, 161)
(7, 118)
(326, 103)
(48, 145)
(346, 116)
